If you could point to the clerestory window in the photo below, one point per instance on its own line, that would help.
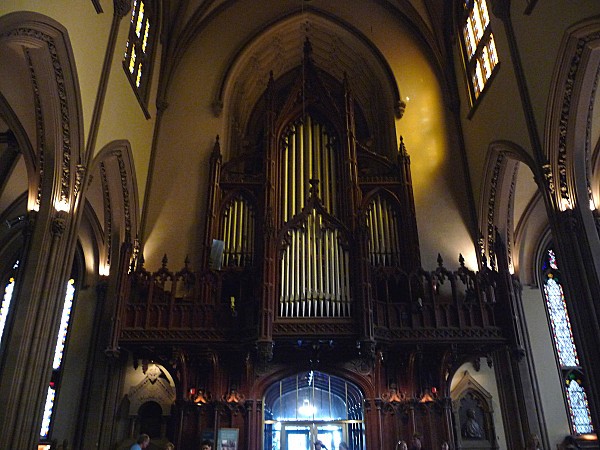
(479, 47)
(140, 50)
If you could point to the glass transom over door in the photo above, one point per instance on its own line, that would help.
(311, 406)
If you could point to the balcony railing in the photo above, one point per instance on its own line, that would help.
(436, 305)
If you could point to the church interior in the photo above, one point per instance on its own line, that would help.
(369, 224)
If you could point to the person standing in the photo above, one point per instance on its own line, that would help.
(142, 442)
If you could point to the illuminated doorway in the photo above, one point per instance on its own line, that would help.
(311, 406)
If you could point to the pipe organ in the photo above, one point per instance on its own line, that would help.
(314, 273)
(313, 211)
(383, 226)
(314, 265)
(320, 269)
(308, 153)
(237, 231)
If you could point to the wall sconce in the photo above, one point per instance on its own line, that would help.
(428, 396)
(62, 205)
(104, 270)
(199, 396)
(565, 204)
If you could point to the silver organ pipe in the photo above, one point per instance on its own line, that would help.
(315, 267)
(382, 222)
(308, 152)
(285, 178)
(238, 233)
(319, 282)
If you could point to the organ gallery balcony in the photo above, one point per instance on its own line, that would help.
(224, 306)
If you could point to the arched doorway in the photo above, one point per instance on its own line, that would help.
(311, 406)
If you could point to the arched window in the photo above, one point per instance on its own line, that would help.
(478, 46)
(313, 406)
(57, 361)
(564, 346)
(139, 51)
(9, 286)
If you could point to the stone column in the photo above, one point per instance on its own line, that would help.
(35, 317)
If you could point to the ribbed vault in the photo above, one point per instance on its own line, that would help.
(337, 48)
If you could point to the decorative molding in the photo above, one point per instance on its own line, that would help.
(265, 351)
(565, 111)
(79, 174)
(137, 335)
(510, 216)
(313, 327)
(588, 133)
(359, 365)
(549, 178)
(491, 210)
(59, 78)
(126, 198)
(39, 125)
(152, 388)
(107, 211)
(493, 334)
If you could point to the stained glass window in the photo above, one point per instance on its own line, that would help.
(564, 344)
(47, 417)
(64, 324)
(479, 47)
(559, 321)
(578, 406)
(8, 293)
(57, 361)
(138, 51)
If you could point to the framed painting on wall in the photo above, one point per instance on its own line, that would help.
(228, 439)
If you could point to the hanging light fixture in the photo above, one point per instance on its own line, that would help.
(306, 409)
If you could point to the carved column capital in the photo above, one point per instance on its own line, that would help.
(113, 354)
(161, 105)
(265, 351)
(122, 7)
(367, 350)
(59, 224)
(501, 9)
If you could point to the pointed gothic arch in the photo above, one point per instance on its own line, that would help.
(338, 48)
(114, 194)
(52, 112)
(568, 145)
(497, 202)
